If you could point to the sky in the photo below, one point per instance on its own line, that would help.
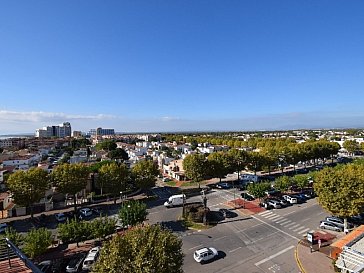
(191, 65)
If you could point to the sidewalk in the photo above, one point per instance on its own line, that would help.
(71, 208)
(316, 261)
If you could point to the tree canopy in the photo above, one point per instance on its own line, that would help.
(28, 187)
(148, 249)
(70, 179)
(195, 167)
(145, 174)
(113, 178)
(133, 213)
(340, 190)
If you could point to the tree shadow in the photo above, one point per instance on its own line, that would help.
(236, 220)
(175, 226)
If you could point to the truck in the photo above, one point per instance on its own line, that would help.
(175, 200)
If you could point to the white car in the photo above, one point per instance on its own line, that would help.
(91, 258)
(60, 217)
(205, 254)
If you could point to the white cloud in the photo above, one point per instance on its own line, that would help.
(27, 122)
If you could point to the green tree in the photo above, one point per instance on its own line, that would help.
(282, 183)
(75, 231)
(220, 164)
(37, 241)
(70, 179)
(239, 158)
(28, 187)
(301, 181)
(102, 227)
(258, 189)
(351, 146)
(142, 250)
(145, 174)
(113, 178)
(195, 167)
(118, 153)
(340, 190)
(107, 145)
(15, 237)
(133, 213)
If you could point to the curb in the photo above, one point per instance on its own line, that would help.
(299, 264)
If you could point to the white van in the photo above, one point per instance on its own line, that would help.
(175, 200)
(91, 258)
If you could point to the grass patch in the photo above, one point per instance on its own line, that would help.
(171, 183)
(188, 224)
(190, 184)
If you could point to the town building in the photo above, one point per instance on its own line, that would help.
(62, 130)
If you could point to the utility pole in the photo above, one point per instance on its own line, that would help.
(204, 200)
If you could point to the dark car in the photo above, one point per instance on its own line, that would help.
(75, 263)
(223, 185)
(300, 199)
(226, 213)
(247, 197)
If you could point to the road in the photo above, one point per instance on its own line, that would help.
(264, 242)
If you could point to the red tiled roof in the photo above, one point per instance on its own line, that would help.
(17, 266)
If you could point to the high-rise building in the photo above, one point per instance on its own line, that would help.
(62, 130)
(101, 132)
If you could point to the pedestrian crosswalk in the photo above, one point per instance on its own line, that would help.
(284, 222)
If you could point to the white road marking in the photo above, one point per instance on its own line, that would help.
(303, 231)
(235, 249)
(273, 256)
(322, 212)
(286, 222)
(292, 227)
(289, 213)
(294, 237)
(297, 229)
(277, 220)
(290, 224)
(265, 212)
(220, 238)
(274, 217)
(195, 247)
(282, 220)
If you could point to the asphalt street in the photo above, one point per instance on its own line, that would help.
(263, 242)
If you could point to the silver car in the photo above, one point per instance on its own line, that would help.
(330, 226)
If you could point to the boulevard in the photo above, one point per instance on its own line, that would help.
(264, 242)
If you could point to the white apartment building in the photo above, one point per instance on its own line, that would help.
(62, 130)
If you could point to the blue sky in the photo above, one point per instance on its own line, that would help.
(181, 65)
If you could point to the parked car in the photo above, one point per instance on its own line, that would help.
(46, 266)
(85, 212)
(91, 258)
(3, 227)
(282, 201)
(75, 263)
(223, 185)
(357, 219)
(337, 221)
(290, 199)
(300, 198)
(247, 197)
(264, 203)
(205, 254)
(60, 217)
(330, 226)
(274, 203)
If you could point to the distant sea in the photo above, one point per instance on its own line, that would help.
(17, 136)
